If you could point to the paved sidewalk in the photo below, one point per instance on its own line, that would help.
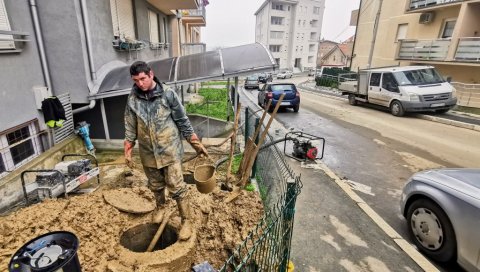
(335, 230)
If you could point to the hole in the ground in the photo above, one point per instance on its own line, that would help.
(188, 178)
(138, 238)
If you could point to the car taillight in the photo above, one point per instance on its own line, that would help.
(297, 94)
(269, 95)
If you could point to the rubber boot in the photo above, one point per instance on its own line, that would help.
(184, 210)
(157, 215)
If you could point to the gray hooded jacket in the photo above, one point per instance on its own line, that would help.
(156, 120)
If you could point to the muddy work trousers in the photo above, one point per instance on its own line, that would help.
(170, 176)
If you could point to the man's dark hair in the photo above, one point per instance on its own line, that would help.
(139, 67)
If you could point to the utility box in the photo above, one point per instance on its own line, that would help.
(40, 93)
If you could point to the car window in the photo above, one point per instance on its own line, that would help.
(389, 83)
(283, 88)
(375, 79)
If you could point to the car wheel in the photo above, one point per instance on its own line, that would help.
(296, 108)
(431, 230)
(396, 109)
(351, 100)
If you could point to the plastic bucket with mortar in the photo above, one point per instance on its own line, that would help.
(54, 251)
(204, 177)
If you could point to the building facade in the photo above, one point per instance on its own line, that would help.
(333, 54)
(445, 34)
(291, 30)
(51, 48)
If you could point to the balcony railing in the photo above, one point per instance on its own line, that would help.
(193, 48)
(200, 12)
(468, 50)
(424, 49)
(417, 4)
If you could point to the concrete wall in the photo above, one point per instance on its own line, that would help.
(11, 186)
(19, 72)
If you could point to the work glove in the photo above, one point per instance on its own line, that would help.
(128, 148)
(197, 145)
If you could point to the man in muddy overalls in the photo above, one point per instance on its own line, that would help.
(155, 117)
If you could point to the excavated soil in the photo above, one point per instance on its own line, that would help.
(218, 226)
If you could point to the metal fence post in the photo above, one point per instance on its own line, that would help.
(289, 212)
(254, 167)
(247, 129)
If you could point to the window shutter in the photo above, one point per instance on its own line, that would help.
(122, 18)
(5, 25)
(153, 22)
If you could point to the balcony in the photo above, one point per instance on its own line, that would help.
(193, 48)
(468, 50)
(12, 41)
(166, 6)
(194, 17)
(435, 50)
(430, 4)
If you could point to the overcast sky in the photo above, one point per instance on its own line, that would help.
(232, 22)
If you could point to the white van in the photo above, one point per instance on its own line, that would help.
(402, 89)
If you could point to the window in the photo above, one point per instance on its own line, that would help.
(277, 61)
(389, 83)
(153, 26)
(313, 36)
(310, 59)
(448, 29)
(316, 10)
(165, 31)
(274, 48)
(277, 6)
(122, 18)
(314, 23)
(401, 32)
(311, 48)
(288, 8)
(375, 79)
(5, 25)
(18, 146)
(276, 34)
(276, 20)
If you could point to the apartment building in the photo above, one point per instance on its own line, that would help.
(291, 30)
(68, 49)
(442, 33)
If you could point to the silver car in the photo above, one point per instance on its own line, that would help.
(442, 208)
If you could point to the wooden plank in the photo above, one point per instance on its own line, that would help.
(232, 144)
(252, 156)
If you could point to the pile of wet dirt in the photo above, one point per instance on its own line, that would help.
(219, 226)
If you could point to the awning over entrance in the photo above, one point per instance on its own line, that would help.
(177, 71)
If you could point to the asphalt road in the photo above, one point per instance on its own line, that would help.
(376, 164)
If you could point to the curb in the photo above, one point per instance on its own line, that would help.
(421, 116)
(415, 255)
(449, 122)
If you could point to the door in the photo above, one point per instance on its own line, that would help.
(374, 89)
(389, 89)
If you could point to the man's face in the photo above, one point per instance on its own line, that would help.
(144, 81)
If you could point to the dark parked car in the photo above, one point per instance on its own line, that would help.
(251, 82)
(264, 77)
(272, 91)
(442, 208)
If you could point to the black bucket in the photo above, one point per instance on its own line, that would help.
(54, 251)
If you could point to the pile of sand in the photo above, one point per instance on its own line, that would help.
(220, 226)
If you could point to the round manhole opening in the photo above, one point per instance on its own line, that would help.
(138, 238)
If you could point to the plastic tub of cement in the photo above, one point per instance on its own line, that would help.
(54, 251)
(204, 177)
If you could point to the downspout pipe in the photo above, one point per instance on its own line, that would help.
(374, 37)
(356, 31)
(40, 45)
(91, 65)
